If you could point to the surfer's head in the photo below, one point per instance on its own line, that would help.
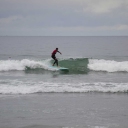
(57, 49)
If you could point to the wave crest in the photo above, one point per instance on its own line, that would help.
(108, 65)
(31, 87)
(76, 66)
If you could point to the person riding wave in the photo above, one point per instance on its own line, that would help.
(54, 57)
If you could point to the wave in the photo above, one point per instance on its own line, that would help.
(75, 65)
(108, 65)
(32, 87)
(21, 65)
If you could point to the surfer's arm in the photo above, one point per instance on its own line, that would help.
(59, 52)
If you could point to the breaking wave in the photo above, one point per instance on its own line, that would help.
(108, 65)
(75, 65)
(32, 87)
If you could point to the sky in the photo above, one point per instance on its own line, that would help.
(63, 17)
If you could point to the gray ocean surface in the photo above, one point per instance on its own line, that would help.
(93, 94)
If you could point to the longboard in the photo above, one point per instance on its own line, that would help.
(58, 68)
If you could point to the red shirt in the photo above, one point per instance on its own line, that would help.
(54, 52)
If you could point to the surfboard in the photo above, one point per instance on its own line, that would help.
(63, 69)
(58, 68)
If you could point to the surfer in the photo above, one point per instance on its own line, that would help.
(54, 57)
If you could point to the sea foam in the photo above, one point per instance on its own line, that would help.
(108, 65)
(32, 87)
(19, 65)
(79, 64)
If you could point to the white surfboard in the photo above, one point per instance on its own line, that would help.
(58, 68)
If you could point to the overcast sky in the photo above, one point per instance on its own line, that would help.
(64, 17)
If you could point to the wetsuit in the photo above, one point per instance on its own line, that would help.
(54, 57)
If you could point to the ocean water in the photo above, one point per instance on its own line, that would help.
(98, 71)
(96, 64)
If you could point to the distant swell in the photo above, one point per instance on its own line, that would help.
(75, 65)
(31, 87)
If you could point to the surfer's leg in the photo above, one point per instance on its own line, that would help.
(53, 56)
(56, 62)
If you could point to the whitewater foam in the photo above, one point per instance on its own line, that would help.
(74, 65)
(31, 87)
(19, 65)
(108, 65)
